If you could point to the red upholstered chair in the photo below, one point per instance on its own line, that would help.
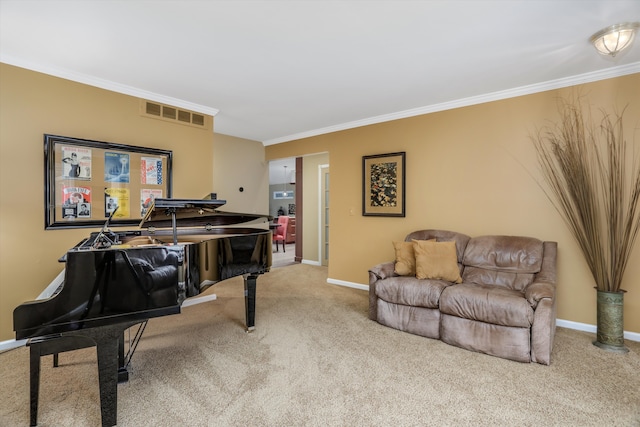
(280, 233)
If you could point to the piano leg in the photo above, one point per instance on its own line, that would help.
(34, 385)
(107, 348)
(107, 339)
(250, 300)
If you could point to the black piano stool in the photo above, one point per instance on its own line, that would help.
(107, 341)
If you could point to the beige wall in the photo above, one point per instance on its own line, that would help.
(466, 171)
(32, 104)
(239, 163)
(472, 170)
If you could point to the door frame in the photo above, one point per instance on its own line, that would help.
(323, 170)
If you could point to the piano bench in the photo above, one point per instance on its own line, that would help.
(44, 346)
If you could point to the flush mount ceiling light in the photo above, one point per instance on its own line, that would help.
(613, 39)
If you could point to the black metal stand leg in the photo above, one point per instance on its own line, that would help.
(34, 384)
(250, 300)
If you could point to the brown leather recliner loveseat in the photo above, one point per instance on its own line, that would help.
(503, 303)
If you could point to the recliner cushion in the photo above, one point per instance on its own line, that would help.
(505, 279)
(487, 303)
(409, 291)
(507, 261)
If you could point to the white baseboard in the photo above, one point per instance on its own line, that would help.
(198, 300)
(53, 286)
(11, 344)
(585, 327)
(348, 284)
(631, 336)
(310, 262)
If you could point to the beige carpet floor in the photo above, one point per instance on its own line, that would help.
(315, 359)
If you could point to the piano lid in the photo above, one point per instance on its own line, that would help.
(192, 213)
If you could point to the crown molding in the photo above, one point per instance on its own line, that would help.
(608, 73)
(108, 85)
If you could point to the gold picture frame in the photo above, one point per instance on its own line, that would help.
(383, 184)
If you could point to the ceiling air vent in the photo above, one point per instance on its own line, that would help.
(154, 109)
(197, 119)
(172, 114)
(184, 116)
(169, 112)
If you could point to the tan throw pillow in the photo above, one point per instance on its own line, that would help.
(436, 260)
(405, 258)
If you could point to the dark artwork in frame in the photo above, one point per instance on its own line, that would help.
(383, 185)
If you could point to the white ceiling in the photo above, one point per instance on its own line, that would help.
(274, 70)
(278, 174)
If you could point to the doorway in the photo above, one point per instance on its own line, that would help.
(284, 202)
(311, 217)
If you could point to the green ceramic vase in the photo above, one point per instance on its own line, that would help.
(610, 334)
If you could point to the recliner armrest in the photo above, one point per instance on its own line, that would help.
(382, 271)
(544, 282)
(537, 291)
(378, 272)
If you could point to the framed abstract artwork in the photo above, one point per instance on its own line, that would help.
(383, 184)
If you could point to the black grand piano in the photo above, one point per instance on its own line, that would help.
(115, 281)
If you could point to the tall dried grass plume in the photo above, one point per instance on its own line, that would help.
(592, 177)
